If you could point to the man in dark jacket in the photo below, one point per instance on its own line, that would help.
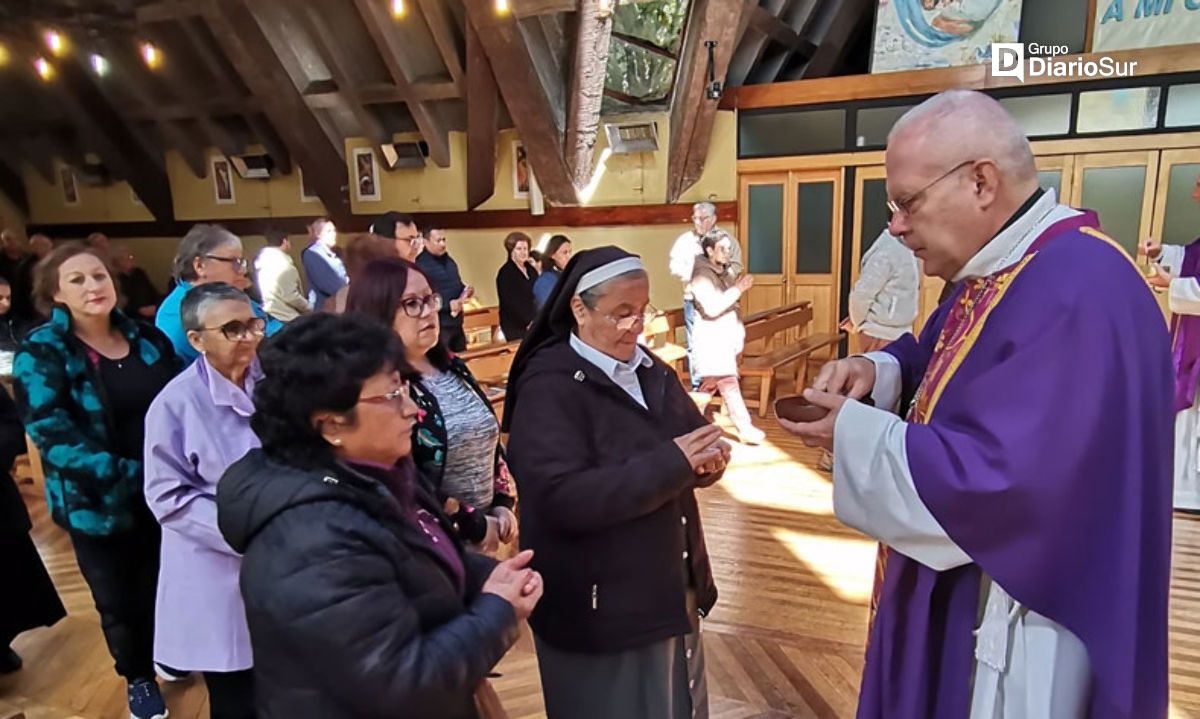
(608, 449)
(447, 282)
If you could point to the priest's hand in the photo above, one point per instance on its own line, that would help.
(1161, 279)
(819, 433)
(850, 377)
(1151, 247)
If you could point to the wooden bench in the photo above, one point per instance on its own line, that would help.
(659, 337)
(481, 324)
(765, 366)
(490, 363)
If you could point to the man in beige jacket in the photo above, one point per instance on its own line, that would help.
(278, 279)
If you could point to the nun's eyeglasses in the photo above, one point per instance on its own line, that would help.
(628, 322)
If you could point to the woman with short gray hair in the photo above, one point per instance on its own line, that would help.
(608, 449)
(207, 253)
(195, 429)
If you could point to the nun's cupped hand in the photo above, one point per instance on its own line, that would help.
(701, 446)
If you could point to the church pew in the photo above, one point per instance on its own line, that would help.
(770, 329)
(490, 363)
(482, 323)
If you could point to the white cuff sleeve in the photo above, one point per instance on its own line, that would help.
(888, 380)
(1183, 296)
(873, 489)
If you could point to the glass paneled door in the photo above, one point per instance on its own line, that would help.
(791, 230)
(1176, 210)
(1120, 187)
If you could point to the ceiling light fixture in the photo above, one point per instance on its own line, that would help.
(398, 9)
(44, 69)
(151, 56)
(502, 7)
(55, 43)
(99, 64)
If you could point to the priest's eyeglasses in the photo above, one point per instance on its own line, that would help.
(628, 322)
(905, 204)
(416, 306)
(238, 331)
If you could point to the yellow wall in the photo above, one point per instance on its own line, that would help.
(638, 179)
(619, 180)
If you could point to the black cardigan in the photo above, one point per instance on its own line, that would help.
(517, 307)
(607, 503)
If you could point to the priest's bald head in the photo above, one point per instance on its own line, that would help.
(958, 167)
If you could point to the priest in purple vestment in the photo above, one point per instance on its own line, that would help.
(1016, 464)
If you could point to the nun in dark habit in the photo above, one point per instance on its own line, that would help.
(609, 448)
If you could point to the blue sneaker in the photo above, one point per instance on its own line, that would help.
(145, 701)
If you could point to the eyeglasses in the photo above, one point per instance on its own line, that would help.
(905, 205)
(390, 398)
(238, 331)
(628, 322)
(239, 263)
(416, 306)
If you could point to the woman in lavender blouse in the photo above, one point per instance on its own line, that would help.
(195, 429)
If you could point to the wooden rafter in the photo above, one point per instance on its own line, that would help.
(594, 31)
(11, 183)
(482, 117)
(833, 44)
(442, 27)
(333, 55)
(532, 8)
(692, 111)
(246, 47)
(383, 33)
(530, 103)
(131, 78)
(192, 94)
(258, 124)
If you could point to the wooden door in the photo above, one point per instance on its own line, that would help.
(1120, 186)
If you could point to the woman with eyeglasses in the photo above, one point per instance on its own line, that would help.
(197, 427)
(359, 597)
(456, 440)
(84, 381)
(718, 334)
(207, 253)
(610, 450)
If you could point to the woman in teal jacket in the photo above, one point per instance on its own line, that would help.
(84, 381)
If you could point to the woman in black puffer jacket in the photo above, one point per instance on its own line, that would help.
(360, 600)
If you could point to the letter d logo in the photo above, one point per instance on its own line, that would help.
(1008, 60)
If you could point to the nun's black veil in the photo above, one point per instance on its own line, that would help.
(556, 321)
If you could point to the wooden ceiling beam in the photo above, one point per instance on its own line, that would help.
(115, 142)
(832, 46)
(12, 185)
(248, 50)
(589, 70)
(133, 81)
(442, 26)
(533, 8)
(383, 33)
(530, 104)
(333, 55)
(166, 10)
(386, 93)
(39, 152)
(192, 94)
(692, 112)
(482, 122)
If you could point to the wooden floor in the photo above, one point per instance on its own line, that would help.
(785, 640)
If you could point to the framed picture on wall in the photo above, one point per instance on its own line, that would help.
(520, 173)
(69, 190)
(366, 175)
(222, 176)
(307, 194)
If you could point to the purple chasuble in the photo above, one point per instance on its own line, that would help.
(1045, 454)
(1185, 338)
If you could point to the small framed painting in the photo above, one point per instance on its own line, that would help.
(222, 175)
(366, 175)
(520, 173)
(307, 194)
(70, 191)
